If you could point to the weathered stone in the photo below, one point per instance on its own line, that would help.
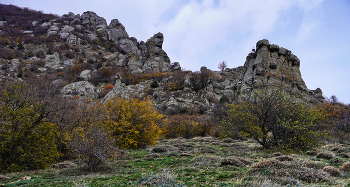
(81, 88)
(86, 74)
(274, 47)
(14, 65)
(52, 61)
(67, 29)
(64, 35)
(92, 19)
(73, 39)
(46, 24)
(177, 66)
(70, 15)
(27, 32)
(34, 23)
(261, 43)
(282, 51)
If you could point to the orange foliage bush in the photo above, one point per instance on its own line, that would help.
(337, 122)
(108, 88)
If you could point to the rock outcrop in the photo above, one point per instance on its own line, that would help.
(269, 65)
(138, 57)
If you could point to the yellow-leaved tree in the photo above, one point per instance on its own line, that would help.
(133, 123)
(27, 140)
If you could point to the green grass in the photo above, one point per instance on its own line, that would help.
(193, 169)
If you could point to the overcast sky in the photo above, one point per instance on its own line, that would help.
(206, 32)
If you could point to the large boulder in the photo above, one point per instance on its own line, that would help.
(83, 89)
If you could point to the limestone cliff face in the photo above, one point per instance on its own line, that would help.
(269, 65)
(138, 57)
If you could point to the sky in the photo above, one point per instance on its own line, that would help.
(206, 32)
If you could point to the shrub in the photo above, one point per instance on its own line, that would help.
(10, 53)
(224, 99)
(176, 81)
(104, 75)
(108, 88)
(272, 118)
(200, 80)
(132, 123)
(93, 146)
(154, 84)
(186, 126)
(40, 54)
(69, 54)
(26, 140)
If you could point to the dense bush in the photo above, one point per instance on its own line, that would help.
(338, 120)
(272, 118)
(176, 81)
(27, 141)
(132, 123)
(199, 80)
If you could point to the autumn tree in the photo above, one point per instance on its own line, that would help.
(132, 123)
(337, 122)
(27, 139)
(222, 65)
(271, 117)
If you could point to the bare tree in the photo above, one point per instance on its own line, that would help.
(222, 65)
(334, 99)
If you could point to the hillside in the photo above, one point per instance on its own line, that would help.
(77, 48)
(83, 103)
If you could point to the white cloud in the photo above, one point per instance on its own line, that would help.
(199, 27)
(311, 19)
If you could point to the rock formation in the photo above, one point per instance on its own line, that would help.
(84, 54)
(269, 65)
(139, 57)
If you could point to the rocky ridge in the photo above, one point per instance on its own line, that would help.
(87, 39)
(268, 65)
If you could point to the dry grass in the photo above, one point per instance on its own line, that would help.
(232, 162)
(331, 170)
(312, 175)
(345, 167)
(267, 163)
(313, 164)
(325, 155)
(244, 161)
(284, 158)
